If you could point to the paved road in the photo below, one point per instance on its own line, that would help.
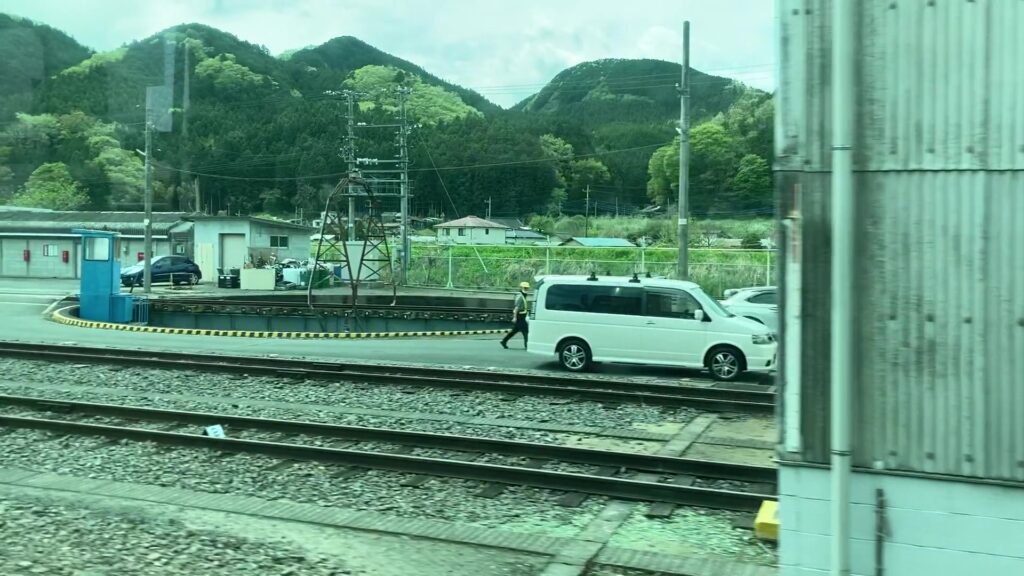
(28, 296)
(23, 303)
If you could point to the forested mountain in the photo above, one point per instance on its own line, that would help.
(326, 66)
(256, 133)
(637, 91)
(30, 53)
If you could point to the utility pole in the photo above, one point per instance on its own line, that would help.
(488, 207)
(385, 176)
(147, 221)
(403, 131)
(185, 103)
(586, 212)
(350, 151)
(683, 271)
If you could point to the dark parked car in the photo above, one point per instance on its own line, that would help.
(173, 269)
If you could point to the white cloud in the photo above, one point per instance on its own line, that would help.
(505, 50)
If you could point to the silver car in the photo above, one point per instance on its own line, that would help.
(759, 303)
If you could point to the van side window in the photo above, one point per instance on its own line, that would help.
(595, 299)
(764, 298)
(671, 304)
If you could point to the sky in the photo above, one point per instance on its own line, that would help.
(504, 49)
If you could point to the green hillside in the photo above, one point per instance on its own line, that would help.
(30, 53)
(635, 91)
(326, 66)
(112, 85)
(263, 134)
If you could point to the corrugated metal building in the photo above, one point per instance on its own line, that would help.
(226, 242)
(939, 292)
(41, 244)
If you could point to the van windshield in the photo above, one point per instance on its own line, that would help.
(711, 303)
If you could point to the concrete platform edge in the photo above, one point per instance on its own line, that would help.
(62, 317)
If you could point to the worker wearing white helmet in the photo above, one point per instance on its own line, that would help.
(519, 310)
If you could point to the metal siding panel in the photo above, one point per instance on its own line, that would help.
(13, 263)
(1004, 350)
(1013, 123)
(941, 358)
(816, 271)
(818, 20)
(788, 98)
(976, 383)
(941, 353)
(940, 85)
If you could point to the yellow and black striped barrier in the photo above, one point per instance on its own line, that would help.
(62, 316)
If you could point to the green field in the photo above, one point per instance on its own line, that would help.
(503, 267)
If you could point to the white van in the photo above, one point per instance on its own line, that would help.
(581, 320)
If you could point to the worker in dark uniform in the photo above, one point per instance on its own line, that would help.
(519, 311)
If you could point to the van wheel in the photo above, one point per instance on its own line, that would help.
(726, 363)
(574, 355)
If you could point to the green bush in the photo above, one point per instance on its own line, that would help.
(503, 267)
(752, 241)
(660, 231)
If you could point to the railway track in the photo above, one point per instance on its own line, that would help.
(612, 479)
(599, 390)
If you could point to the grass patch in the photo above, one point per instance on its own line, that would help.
(503, 267)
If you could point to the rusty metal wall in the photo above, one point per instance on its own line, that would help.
(939, 179)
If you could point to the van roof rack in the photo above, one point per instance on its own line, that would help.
(592, 277)
(634, 279)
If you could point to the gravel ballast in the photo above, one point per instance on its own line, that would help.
(518, 508)
(692, 532)
(373, 396)
(314, 413)
(41, 537)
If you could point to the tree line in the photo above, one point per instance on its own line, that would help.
(263, 135)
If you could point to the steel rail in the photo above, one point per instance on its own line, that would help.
(598, 485)
(633, 461)
(601, 390)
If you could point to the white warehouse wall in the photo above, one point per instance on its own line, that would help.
(206, 237)
(298, 241)
(936, 527)
(472, 235)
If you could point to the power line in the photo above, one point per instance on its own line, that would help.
(435, 167)
(582, 90)
(634, 85)
(440, 179)
(709, 72)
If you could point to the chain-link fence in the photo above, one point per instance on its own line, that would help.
(500, 268)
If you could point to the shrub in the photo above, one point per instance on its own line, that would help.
(752, 241)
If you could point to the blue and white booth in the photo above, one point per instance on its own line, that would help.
(101, 299)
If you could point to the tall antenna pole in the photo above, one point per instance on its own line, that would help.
(403, 93)
(147, 222)
(683, 271)
(350, 152)
(186, 102)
